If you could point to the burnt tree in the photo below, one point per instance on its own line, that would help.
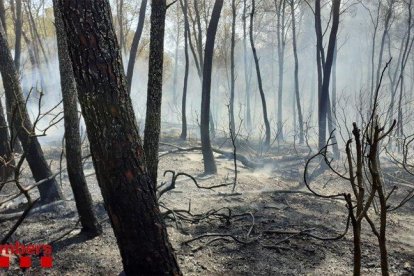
(135, 44)
(232, 67)
(324, 64)
(116, 147)
(296, 72)
(154, 93)
(184, 7)
(83, 199)
(259, 78)
(209, 163)
(6, 155)
(49, 190)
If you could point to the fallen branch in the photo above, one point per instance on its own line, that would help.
(243, 159)
(18, 222)
(174, 179)
(28, 188)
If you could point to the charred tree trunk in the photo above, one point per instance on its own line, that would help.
(281, 45)
(184, 7)
(154, 93)
(209, 163)
(232, 69)
(259, 78)
(135, 44)
(325, 66)
(18, 27)
(6, 155)
(5, 150)
(49, 190)
(247, 67)
(83, 199)
(296, 73)
(117, 153)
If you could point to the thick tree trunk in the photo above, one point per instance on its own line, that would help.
(50, 190)
(209, 163)
(259, 78)
(117, 153)
(83, 199)
(154, 93)
(135, 44)
(184, 7)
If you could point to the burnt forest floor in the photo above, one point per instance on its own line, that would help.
(265, 198)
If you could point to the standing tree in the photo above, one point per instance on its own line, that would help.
(135, 44)
(209, 163)
(259, 77)
(6, 155)
(184, 7)
(154, 93)
(280, 6)
(83, 199)
(232, 67)
(296, 72)
(117, 153)
(18, 27)
(247, 67)
(324, 65)
(49, 190)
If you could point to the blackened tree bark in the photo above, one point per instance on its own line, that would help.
(184, 7)
(83, 199)
(296, 72)
(232, 68)
(16, 7)
(247, 68)
(154, 93)
(280, 6)
(259, 78)
(49, 190)
(209, 163)
(116, 147)
(18, 27)
(135, 44)
(325, 66)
